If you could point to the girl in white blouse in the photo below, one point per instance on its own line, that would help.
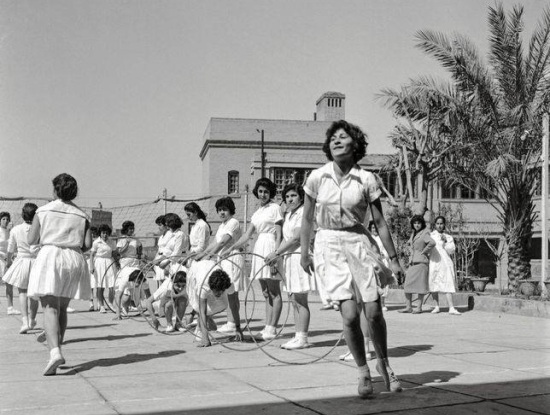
(102, 266)
(346, 258)
(442, 271)
(19, 272)
(200, 231)
(60, 271)
(297, 283)
(267, 222)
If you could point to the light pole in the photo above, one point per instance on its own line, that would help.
(262, 157)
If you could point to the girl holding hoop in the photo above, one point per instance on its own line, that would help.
(345, 258)
(297, 282)
(229, 231)
(266, 221)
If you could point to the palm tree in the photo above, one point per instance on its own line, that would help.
(488, 119)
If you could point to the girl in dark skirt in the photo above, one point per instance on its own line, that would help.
(416, 280)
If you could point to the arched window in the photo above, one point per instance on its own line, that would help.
(233, 182)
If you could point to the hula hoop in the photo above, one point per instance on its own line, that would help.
(262, 346)
(143, 268)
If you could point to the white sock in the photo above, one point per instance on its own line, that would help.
(363, 371)
(25, 321)
(55, 352)
(270, 329)
(231, 325)
(301, 335)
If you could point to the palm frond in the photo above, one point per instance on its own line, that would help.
(538, 55)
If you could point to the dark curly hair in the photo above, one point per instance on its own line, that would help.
(180, 277)
(65, 187)
(268, 184)
(94, 230)
(173, 221)
(418, 218)
(357, 135)
(137, 276)
(296, 187)
(219, 280)
(28, 212)
(160, 220)
(225, 203)
(127, 224)
(5, 215)
(105, 228)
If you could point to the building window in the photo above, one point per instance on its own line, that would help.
(282, 177)
(467, 193)
(449, 192)
(233, 182)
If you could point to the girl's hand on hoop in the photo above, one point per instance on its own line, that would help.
(307, 264)
(270, 258)
(239, 336)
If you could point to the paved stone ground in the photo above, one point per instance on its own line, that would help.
(480, 363)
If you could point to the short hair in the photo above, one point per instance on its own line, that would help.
(137, 276)
(28, 212)
(196, 209)
(442, 218)
(160, 220)
(5, 215)
(65, 186)
(180, 277)
(268, 184)
(105, 228)
(225, 203)
(296, 187)
(173, 221)
(219, 280)
(94, 230)
(127, 224)
(357, 135)
(418, 218)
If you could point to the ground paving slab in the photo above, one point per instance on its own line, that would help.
(477, 363)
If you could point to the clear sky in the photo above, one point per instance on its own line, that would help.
(119, 93)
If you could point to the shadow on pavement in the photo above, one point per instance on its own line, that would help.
(122, 360)
(91, 326)
(405, 351)
(108, 338)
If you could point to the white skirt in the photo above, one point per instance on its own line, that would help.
(296, 280)
(3, 267)
(105, 273)
(265, 244)
(234, 266)
(348, 266)
(61, 272)
(19, 272)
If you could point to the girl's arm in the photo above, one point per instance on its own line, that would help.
(244, 239)
(385, 237)
(33, 237)
(306, 228)
(87, 238)
(92, 256)
(214, 247)
(286, 246)
(202, 323)
(430, 243)
(449, 245)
